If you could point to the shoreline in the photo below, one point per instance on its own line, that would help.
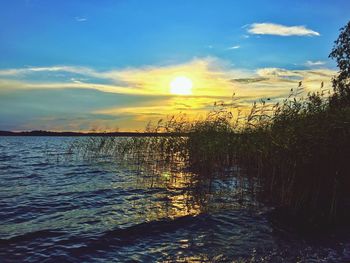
(87, 134)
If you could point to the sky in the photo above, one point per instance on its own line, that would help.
(104, 65)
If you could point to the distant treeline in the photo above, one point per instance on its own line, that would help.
(87, 134)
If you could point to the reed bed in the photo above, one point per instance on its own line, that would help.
(293, 154)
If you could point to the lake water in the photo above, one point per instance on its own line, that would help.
(59, 209)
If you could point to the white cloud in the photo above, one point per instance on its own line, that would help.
(212, 77)
(278, 73)
(80, 19)
(235, 47)
(280, 30)
(310, 63)
(21, 72)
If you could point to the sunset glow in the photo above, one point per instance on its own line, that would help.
(204, 53)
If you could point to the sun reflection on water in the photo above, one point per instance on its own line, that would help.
(159, 190)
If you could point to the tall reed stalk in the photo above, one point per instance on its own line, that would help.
(294, 154)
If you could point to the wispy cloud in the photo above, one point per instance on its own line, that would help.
(206, 73)
(310, 63)
(16, 72)
(80, 19)
(280, 30)
(213, 79)
(235, 47)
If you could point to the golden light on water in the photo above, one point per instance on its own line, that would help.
(181, 86)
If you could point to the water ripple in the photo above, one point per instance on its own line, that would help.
(55, 209)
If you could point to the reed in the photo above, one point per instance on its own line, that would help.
(293, 154)
(295, 157)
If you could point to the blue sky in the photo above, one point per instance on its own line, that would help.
(81, 43)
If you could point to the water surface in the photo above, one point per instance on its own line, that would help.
(59, 209)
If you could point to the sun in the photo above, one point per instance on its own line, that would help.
(181, 86)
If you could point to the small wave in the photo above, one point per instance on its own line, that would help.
(5, 158)
(126, 236)
(31, 236)
(40, 164)
(8, 167)
(154, 227)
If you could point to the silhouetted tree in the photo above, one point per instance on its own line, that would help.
(341, 53)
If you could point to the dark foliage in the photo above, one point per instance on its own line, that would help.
(341, 54)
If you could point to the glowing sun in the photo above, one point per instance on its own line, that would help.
(181, 86)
